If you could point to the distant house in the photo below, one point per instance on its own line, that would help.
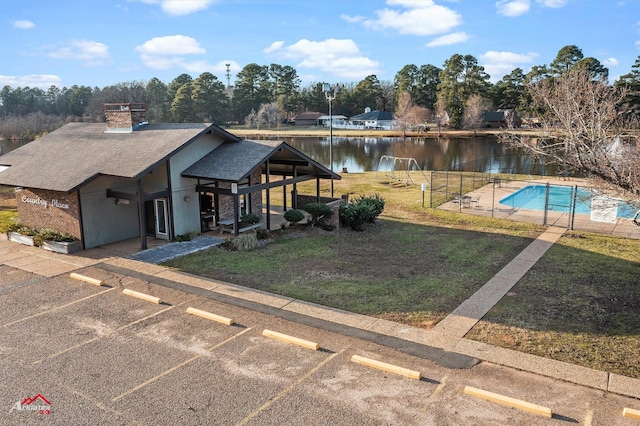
(501, 118)
(338, 120)
(307, 118)
(373, 119)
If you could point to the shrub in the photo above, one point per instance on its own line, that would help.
(249, 219)
(22, 229)
(186, 237)
(51, 235)
(362, 210)
(317, 211)
(245, 242)
(293, 216)
(355, 216)
(262, 234)
(376, 202)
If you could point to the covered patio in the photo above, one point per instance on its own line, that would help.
(240, 171)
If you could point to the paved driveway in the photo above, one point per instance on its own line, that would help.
(99, 356)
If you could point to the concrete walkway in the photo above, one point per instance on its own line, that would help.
(445, 342)
(172, 250)
(457, 324)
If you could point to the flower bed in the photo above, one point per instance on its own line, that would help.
(17, 237)
(48, 239)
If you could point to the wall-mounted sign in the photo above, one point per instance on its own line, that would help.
(39, 201)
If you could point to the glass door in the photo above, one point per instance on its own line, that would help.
(162, 219)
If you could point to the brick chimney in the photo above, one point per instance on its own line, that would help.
(125, 117)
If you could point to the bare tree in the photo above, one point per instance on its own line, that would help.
(586, 133)
(472, 118)
(408, 115)
(267, 114)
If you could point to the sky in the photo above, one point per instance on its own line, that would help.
(98, 43)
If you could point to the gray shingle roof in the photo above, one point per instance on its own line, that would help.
(493, 116)
(373, 115)
(234, 162)
(76, 153)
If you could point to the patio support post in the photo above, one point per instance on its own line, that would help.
(268, 194)
(216, 205)
(317, 190)
(236, 206)
(284, 194)
(141, 217)
(294, 198)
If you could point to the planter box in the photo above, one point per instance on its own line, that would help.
(27, 240)
(62, 247)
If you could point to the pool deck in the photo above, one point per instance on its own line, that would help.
(490, 195)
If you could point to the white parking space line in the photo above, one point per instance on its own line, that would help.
(56, 308)
(182, 364)
(588, 418)
(436, 392)
(13, 287)
(290, 388)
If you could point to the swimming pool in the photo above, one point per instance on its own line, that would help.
(560, 199)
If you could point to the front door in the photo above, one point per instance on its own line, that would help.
(162, 219)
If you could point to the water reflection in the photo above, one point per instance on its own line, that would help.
(358, 154)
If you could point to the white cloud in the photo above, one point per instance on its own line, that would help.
(422, 17)
(340, 57)
(181, 7)
(172, 52)
(611, 62)
(498, 64)
(92, 52)
(512, 8)
(43, 81)
(275, 46)
(352, 19)
(553, 3)
(637, 44)
(449, 39)
(23, 24)
(171, 45)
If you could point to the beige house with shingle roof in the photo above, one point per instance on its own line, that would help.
(133, 179)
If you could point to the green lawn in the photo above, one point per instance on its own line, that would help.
(396, 269)
(7, 216)
(578, 304)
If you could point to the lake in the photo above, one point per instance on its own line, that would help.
(358, 154)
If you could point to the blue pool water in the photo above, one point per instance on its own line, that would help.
(532, 197)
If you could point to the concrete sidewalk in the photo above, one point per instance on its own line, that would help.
(446, 340)
(448, 332)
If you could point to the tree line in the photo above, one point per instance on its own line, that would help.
(264, 95)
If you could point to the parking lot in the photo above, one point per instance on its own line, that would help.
(97, 355)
